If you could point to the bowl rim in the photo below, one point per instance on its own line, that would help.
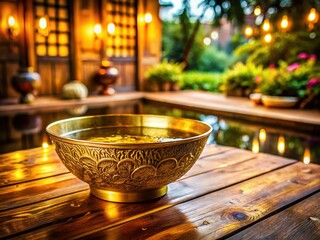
(106, 144)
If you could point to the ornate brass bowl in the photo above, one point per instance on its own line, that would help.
(128, 171)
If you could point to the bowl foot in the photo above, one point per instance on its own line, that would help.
(138, 196)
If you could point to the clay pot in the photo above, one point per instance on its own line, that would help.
(26, 82)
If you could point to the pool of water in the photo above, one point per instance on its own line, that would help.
(23, 130)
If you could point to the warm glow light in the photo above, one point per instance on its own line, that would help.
(207, 41)
(255, 146)
(11, 21)
(12, 27)
(112, 212)
(268, 38)
(18, 156)
(19, 174)
(97, 29)
(306, 156)
(43, 23)
(248, 31)
(46, 168)
(266, 26)
(43, 26)
(148, 17)
(105, 63)
(281, 145)
(111, 28)
(214, 35)
(45, 145)
(284, 24)
(262, 135)
(257, 11)
(313, 16)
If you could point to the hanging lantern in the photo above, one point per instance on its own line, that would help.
(312, 18)
(281, 145)
(257, 11)
(267, 38)
(285, 23)
(248, 31)
(266, 26)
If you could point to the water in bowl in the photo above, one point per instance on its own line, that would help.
(130, 135)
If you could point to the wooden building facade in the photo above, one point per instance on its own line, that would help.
(67, 40)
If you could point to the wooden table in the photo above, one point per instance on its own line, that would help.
(229, 193)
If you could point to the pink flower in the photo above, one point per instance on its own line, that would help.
(293, 67)
(313, 82)
(303, 55)
(313, 57)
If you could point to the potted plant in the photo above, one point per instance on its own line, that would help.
(240, 80)
(313, 93)
(164, 76)
(286, 85)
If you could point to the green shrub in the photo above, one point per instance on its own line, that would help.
(284, 47)
(165, 72)
(202, 81)
(213, 60)
(241, 77)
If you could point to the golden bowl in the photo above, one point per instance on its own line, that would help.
(128, 157)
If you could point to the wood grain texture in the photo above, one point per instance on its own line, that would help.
(223, 212)
(39, 190)
(301, 221)
(93, 215)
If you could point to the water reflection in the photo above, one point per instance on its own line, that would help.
(255, 146)
(281, 145)
(27, 123)
(306, 156)
(262, 135)
(27, 130)
(78, 110)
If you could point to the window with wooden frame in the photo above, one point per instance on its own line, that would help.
(121, 26)
(56, 13)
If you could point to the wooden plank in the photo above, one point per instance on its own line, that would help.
(219, 160)
(104, 214)
(39, 190)
(301, 221)
(34, 164)
(220, 213)
(240, 108)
